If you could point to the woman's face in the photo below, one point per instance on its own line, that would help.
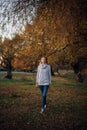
(43, 60)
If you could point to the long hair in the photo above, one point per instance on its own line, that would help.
(46, 60)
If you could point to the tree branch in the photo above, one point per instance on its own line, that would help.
(58, 49)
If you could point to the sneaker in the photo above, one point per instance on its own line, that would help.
(45, 106)
(42, 110)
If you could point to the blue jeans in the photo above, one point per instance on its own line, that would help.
(44, 90)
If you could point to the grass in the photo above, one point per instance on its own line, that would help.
(20, 104)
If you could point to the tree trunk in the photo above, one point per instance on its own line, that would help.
(52, 73)
(9, 70)
(77, 70)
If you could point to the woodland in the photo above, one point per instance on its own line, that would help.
(58, 32)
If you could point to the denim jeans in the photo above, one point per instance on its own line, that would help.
(44, 90)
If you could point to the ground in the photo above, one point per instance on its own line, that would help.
(20, 104)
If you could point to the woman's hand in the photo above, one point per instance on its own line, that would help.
(36, 85)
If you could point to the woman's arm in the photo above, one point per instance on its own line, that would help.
(37, 77)
(50, 73)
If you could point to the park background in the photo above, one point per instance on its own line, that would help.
(29, 30)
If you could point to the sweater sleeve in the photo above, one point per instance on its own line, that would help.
(37, 76)
(50, 74)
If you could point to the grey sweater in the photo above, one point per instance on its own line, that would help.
(43, 74)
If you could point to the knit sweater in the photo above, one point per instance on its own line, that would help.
(43, 74)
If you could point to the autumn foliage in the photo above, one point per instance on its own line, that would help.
(58, 32)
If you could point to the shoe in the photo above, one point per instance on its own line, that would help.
(45, 106)
(42, 110)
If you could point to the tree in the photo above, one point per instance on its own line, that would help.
(60, 27)
(58, 32)
(15, 15)
(8, 51)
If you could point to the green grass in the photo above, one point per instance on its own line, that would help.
(20, 104)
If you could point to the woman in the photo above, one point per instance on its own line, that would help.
(43, 80)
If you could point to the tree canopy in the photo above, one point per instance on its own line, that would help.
(56, 29)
